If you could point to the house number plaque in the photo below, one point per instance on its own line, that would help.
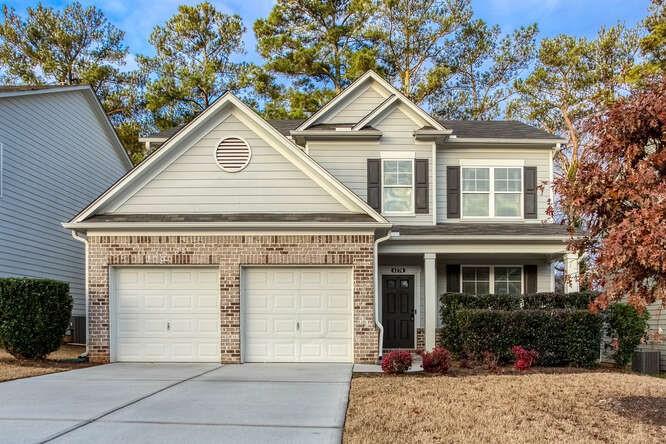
(398, 270)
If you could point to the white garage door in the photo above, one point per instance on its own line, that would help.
(166, 314)
(297, 314)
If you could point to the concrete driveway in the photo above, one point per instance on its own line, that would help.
(176, 403)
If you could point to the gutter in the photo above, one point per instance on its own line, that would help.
(84, 239)
(481, 238)
(173, 225)
(379, 325)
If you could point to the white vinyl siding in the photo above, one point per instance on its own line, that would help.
(450, 155)
(355, 107)
(57, 158)
(347, 161)
(194, 183)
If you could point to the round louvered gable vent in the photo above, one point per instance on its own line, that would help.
(233, 154)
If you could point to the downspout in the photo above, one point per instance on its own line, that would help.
(84, 239)
(379, 325)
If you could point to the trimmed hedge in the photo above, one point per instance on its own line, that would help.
(558, 326)
(628, 326)
(561, 337)
(34, 315)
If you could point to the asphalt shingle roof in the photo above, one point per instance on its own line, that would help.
(233, 217)
(483, 229)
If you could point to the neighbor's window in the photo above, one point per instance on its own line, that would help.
(508, 280)
(492, 192)
(476, 280)
(398, 186)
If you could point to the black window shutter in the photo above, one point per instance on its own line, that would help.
(453, 278)
(375, 184)
(453, 192)
(530, 278)
(421, 186)
(530, 191)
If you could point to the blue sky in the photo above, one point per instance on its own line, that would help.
(576, 17)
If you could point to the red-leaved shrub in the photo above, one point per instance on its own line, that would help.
(524, 358)
(397, 361)
(437, 361)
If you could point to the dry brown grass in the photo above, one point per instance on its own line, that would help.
(585, 406)
(12, 368)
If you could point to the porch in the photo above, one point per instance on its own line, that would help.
(414, 272)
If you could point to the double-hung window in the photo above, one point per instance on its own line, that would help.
(492, 192)
(497, 279)
(398, 185)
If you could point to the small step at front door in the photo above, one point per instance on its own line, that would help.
(398, 311)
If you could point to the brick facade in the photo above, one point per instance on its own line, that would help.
(230, 253)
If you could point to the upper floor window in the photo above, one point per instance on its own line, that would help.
(492, 192)
(398, 185)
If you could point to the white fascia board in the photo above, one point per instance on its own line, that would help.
(479, 140)
(386, 104)
(370, 134)
(489, 247)
(274, 226)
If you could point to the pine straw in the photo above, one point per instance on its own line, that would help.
(12, 368)
(586, 406)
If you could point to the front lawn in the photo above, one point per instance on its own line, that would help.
(554, 405)
(58, 361)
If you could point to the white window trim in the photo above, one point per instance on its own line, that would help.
(399, 156)
(491, 284)
(491, 191)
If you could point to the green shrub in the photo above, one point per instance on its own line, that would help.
(34, 315)
(574, 301)
(628, 326)
(561, 337)
(451, 303)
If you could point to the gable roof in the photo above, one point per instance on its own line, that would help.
(283, 145)
(371, 75)
(10, 91)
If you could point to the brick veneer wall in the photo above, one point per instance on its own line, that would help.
(230, 253)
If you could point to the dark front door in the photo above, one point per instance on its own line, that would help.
(398, 311)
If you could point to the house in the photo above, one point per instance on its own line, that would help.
(58, 151)
(324, 240)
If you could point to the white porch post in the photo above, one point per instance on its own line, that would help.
(571, 273)
(430, 293)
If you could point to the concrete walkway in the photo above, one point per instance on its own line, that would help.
(177, 403)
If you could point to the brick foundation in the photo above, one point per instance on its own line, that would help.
(230, 253)
(420, 338)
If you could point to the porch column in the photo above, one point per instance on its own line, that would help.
(571, 273)
(430, 299)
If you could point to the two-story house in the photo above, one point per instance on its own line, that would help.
(330, 239)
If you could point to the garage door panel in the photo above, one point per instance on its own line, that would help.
(297, 314)
(167, 314)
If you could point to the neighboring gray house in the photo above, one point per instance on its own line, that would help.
(329, 239)
(58, 151)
